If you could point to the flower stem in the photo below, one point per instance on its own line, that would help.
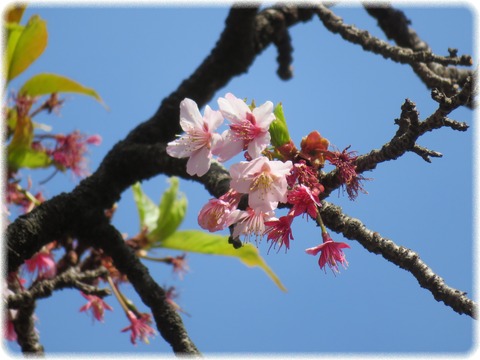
(320, 222)
(118, 295)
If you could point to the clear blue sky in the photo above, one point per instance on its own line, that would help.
(136, 56)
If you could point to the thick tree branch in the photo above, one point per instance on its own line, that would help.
(169, 323)
(406, 259)
(141, 155)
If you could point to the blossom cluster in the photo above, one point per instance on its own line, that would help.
(273, 174)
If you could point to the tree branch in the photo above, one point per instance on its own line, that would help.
(169, 323)
(406, 259)
(68, 279)
(370, 43)
(395, 25)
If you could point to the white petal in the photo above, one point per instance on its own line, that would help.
(264, 115)
(226, 148)
(199, 163)
(189, 113)
(232, 108)
(213, 118)
(258, 144)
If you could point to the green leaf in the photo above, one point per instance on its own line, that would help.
(23, 133)
(29, 46)
(278, 128)
(147, 209)
(173, 208)
(211, 244)
(13, 32)
(43, 84)
(28, 158)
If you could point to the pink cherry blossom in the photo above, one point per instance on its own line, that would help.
(139, 327)
(43, 263)
(180, 266)
(214, 215)
(279, 231)
(69, 151)
(96, 305)
(263, 180)
(198, 139)
(249, 222)
(303, 201)
(331, 253)
(346, 171)
(170, 295)
(248, 128)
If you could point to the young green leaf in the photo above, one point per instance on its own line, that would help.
(278, 128)
(173, 207)
(43, 84)
(30, 44)
(148, 211)
(27, 158)
(212, 244)
(13, 32)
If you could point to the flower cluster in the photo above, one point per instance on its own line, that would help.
(273, 173)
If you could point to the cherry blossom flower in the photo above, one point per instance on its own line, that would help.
(180, 266)
(249, 222)
(279, 231)
(331, 253)
(214, 215)
(70, 149)
(347, 174)
(96, 305)
(304, 174)
(198, 139)
(248, 128)
(170, 295)
(263, 180)
(43, 263)
(139, 327)
(304, 201)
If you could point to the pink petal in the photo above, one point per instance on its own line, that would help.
(189, 112)
(226, 147)
(213, 118)
(258, 144)
(199, 162)
(264, 115)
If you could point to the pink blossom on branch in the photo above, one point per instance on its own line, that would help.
(304, 201)
(96, 305)
(331, 253)
(249, 129)
(139, 327)
(214, 215)
(42, 263)
(263, 180)
(69, 151)
(249, 222)
(198, 139)
(346, 170)
(279, 232)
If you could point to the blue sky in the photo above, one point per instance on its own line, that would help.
(135, 56)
